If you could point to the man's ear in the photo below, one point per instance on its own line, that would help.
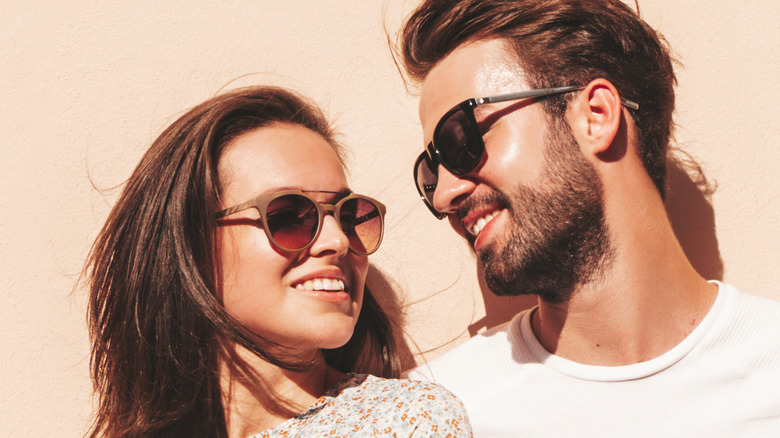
(595, 117)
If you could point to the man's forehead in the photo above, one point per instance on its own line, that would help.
(475, 69)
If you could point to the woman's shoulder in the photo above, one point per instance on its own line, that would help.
(386, 388)
(366, 405)
(425, 406)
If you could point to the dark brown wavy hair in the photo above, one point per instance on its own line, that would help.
(155, 319)
(559, 43)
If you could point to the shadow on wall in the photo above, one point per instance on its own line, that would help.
(689, 207)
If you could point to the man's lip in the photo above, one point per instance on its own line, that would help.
(474, 215)
(480, 240)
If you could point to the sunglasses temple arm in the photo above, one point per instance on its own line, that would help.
(544, 92)
(528, 94)
(629, 104)
(234, 209)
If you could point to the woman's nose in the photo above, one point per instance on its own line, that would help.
(331, 238)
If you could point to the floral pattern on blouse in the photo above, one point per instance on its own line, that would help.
(363, 405)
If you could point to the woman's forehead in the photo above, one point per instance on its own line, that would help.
(278, 157)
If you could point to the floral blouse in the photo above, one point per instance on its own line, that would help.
(363, 405)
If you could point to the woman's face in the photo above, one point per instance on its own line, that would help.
(279, 295)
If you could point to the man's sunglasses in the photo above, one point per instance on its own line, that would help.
(457, 141)
(292, 220)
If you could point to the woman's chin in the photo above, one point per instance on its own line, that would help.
(336, 341)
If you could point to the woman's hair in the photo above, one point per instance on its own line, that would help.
(559, 43)
(155, 318)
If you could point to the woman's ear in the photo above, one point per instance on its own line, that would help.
(595, 117)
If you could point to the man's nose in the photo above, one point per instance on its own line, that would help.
(450, 191)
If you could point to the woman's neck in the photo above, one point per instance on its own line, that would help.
(257, 395)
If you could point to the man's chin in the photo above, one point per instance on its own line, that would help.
(509, 275)
(533, 285)
(495, 270)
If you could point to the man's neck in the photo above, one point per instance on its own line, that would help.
(645, 302)
(619, 331)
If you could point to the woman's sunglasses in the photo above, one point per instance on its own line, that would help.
(292, 220)
(457, 142)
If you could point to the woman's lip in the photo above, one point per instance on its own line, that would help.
(333, 273)
(322, 284)
(329, 296)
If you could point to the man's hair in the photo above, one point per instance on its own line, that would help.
(560, 43)
(155, 318)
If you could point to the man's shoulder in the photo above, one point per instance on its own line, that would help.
(744, 331)
(751, 297)
(761, 310)
(479, 363)
(466, 355)
(753, 316)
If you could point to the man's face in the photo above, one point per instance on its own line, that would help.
(532, 209)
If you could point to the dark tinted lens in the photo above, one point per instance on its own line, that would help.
(459, 142)
(361, 221)
(426, 179)
(292, 221)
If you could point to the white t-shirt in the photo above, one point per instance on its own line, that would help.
(723, 380)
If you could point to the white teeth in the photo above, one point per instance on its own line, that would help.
(481, 222)
(320, 284)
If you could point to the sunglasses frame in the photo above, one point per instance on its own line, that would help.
(432, 154)
(261, 202)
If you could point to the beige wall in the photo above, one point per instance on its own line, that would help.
(87, 85)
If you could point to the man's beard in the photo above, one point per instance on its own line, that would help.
(558, 237)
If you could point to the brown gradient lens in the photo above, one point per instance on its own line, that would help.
(293, 221)
(361, 222)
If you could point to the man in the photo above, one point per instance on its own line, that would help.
(547, 124)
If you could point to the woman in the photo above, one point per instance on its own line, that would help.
(227, 288)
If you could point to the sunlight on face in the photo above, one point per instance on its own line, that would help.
(279, 295)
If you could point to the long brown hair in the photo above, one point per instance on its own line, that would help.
(560, 43)
(154, 316)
